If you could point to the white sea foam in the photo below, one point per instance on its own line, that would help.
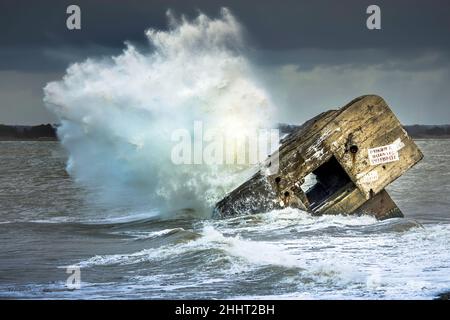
(413, 263)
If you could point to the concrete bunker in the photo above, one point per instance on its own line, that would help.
(338, 162)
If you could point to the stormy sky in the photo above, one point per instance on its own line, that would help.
(309, 55)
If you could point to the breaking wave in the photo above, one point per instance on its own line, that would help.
(345, 256)
(117, 115)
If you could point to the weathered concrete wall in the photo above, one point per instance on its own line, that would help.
(364, 137)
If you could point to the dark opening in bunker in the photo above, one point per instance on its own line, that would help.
(324, 182)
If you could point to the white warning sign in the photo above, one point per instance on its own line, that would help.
(369, 177)
(384, 154)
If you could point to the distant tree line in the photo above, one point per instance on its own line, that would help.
(43, 131)
(415, 131)
(427, 131)
(48, 131)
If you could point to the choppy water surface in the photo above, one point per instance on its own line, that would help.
(46, 223)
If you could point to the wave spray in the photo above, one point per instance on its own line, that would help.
(117, 115)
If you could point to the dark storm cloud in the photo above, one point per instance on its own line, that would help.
(319, 53)
(275, 24)
(272, 25)
(47, 59)
(307, 59)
